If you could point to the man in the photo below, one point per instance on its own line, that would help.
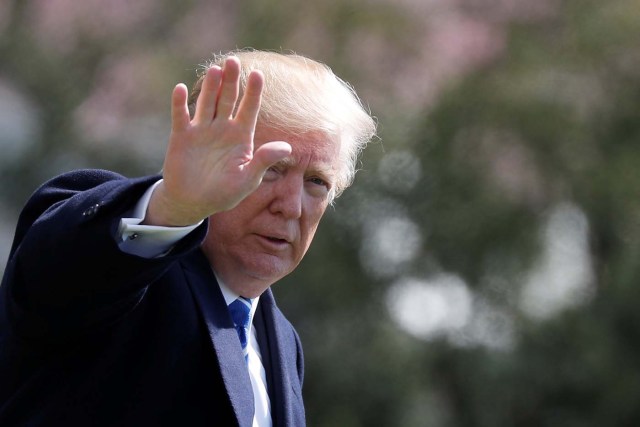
(146, 301)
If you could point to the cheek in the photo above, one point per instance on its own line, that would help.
(310, 225)
(234, 220)
(223, 227)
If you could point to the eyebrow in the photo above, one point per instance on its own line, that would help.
(286, 162)
(325, 173)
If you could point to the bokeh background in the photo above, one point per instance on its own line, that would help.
(482, 271)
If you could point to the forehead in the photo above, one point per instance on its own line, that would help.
(314, 149)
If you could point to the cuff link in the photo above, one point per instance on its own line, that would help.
(91, 210)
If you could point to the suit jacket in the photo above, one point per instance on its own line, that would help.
(92, 336)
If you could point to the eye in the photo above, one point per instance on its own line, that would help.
(318, 187)
(319, 181)
(270, 174)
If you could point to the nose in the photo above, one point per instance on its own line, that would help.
(287, 197)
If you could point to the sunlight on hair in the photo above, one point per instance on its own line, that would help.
(563, 276)
(303, 95)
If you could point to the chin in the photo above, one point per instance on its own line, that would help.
(267, 272)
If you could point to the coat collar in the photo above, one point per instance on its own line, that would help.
(222, 334)
(282, 358)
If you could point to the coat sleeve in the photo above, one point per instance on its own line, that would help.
(66, 274)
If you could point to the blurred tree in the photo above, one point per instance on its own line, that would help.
(535, 153)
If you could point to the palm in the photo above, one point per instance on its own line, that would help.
(211, 165)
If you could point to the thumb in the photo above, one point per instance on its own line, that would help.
(268, 154)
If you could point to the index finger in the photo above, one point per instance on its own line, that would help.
(251, 99)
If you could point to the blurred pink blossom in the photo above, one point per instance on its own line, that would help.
(208, 27)
(124, 87)
(60, 24)
(309, 38)
(454, 38)
(491, 10)
(460, 43)
(506, 11)
(445, 50)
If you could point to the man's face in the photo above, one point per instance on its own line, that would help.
(264, 237)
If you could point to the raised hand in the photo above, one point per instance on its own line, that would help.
(211, 163)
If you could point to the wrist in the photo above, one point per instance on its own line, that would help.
(167, 212)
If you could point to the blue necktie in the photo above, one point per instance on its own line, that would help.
(240, 310)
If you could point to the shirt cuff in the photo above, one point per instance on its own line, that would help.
(148, 241)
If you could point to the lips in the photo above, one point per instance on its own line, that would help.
(275, 242)
(277, 239)
(276, 236)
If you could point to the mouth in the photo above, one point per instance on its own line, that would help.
(276, 239)
(276, 242)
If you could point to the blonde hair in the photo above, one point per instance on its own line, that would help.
(302, 95)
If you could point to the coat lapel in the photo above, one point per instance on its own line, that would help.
(287, 409)
(223, 335)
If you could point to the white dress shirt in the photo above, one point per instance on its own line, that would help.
(154, 241)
